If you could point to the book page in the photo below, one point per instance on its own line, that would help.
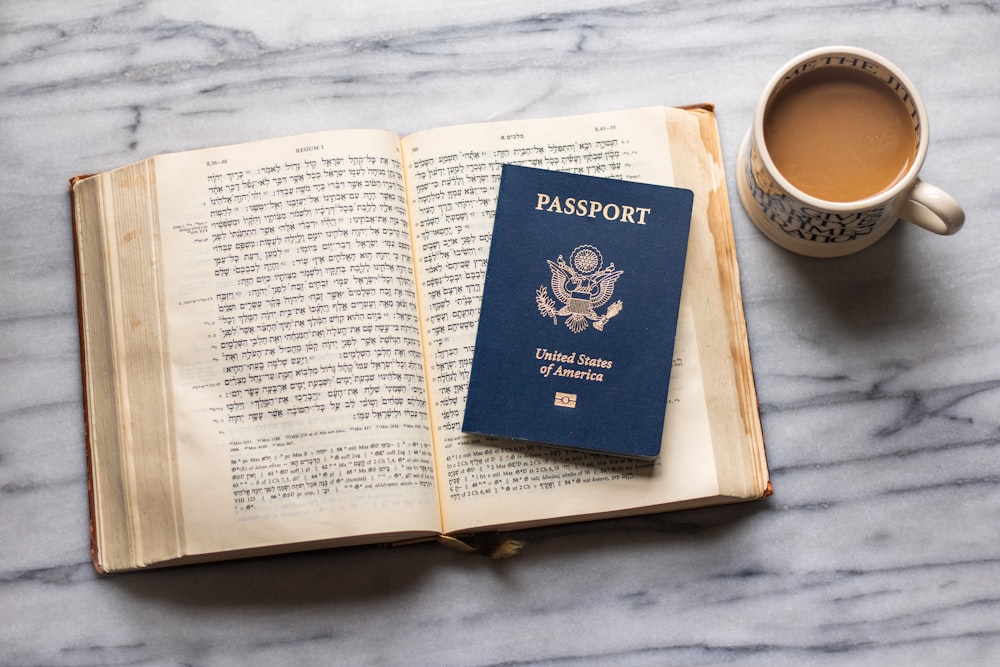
(453, 177)
(299, 395)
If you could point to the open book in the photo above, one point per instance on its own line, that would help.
(277, 336)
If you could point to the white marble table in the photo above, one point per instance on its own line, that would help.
(878, 374)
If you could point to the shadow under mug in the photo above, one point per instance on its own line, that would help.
(808, 225)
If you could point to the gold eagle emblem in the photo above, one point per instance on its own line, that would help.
(582, 285)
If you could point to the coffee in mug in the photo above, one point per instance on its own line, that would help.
(832, 159)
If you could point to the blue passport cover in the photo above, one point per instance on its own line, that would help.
(576, 332)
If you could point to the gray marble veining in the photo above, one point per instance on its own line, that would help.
(878, 374)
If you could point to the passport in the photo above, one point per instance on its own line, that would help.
(574, 345)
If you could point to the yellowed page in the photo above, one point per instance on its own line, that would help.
(295, 355)
(123, 371)
(722, 341)
(453, 176)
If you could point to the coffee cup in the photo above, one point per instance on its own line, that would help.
(833, 156)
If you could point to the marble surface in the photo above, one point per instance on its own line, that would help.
(878, 374)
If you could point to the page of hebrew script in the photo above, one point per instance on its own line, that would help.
(453, 175)
(299, 396)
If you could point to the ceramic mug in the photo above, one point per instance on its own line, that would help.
(830, 222)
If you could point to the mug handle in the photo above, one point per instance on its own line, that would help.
(932, 208)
